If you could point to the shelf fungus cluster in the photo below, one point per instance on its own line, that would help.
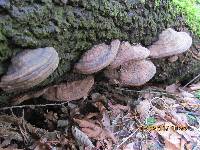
(30, 68)
(132, 73)
(123, 63)
(130, 68)
(68, 91)
(129, 65)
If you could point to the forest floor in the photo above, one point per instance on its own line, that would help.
(152, 117)
(111, 117)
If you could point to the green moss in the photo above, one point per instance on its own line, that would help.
(191, 10)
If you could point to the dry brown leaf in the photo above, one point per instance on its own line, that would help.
(181, 118)
(185, 94)
(171, 146)
(169, 101)
(106, 121)
(101, 107)
(69, 91)
(171, 139)
(147, 95)
(42, 145)
(19, 99)
(175, 118)
(84, 123)
(94, 131)
(51, 116)
(62, 92)
(144, 109)
(117, 108)
(91, 115)
(173, 88)
(194, 87)
(129, 146)
(82, 137)
(5, 143)
(183, 143)
(109, 144)
(190, 136)
(191, 101)
(150, 145)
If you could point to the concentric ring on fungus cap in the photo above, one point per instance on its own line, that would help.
(170, 43)
(97, 58)
(30, 68)
(128, 52)
(136, 73)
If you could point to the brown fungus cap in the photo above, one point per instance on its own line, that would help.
(127, 52)
(97, 58)
(69, 91)
(30, 68)
(132, 73)
(170, 43)
(136, 73)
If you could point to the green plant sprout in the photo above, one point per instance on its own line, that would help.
(191, 10)
(197, 94)
(150, 121)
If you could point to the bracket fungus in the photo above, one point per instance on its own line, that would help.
(128, 52)
(97, 58)
(69, 91)
(132, 73)
(30, 68)
(170, 43)
(137, 73)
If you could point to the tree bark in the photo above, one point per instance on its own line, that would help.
(74, 26)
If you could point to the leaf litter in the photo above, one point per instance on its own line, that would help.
(111, 118)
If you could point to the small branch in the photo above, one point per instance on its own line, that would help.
(32, 106)
(10, 134)
(192, 80)
(124, 140)
(153, 91)
(38, 132)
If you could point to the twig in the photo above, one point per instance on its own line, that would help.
(37, 132)
(31, 106)
(10, 134)
(188, 112)
(137, 91)
(153, 91)
(22, 98)
(126, 139)
(192, 80)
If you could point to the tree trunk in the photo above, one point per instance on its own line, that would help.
(74, 26)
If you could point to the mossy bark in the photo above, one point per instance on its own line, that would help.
(73, 26)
